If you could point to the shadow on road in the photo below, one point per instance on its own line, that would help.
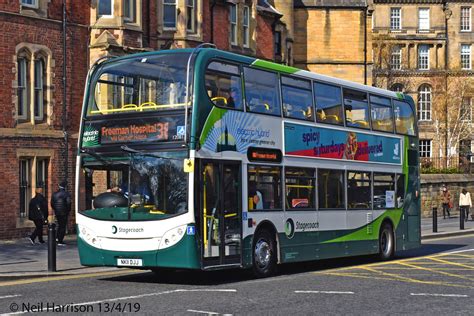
(209, 278)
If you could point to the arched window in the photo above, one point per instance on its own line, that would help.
(32, 83)
(424, 103)
(397, 87)
(39, 105)
(23, 84)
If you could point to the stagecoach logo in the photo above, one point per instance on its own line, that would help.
(289, 228)
(126, 230)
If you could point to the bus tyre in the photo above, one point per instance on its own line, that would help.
(264, 254)
(386, 242)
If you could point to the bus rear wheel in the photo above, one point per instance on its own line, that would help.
(264, 254)
(386, 242)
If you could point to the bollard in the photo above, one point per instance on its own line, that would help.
(461, 217)
(52, 247)
(435, 219)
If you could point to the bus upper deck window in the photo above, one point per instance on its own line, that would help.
(381, 114)
(328, 104)
(356, 108)
(262, 91)
(404, 118)
(297, 98)
(224, 85)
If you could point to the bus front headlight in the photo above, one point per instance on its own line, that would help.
(172, 236)
(88, 236)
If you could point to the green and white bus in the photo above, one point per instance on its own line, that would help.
(205, 159)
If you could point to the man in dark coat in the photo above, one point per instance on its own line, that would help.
(61, 204)
(38, 213)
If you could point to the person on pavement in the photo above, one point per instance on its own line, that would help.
(465, 203)
(61, 204)
(38, 213)
(446, 202)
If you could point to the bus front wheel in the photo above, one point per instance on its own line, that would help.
(264, 254)
(386, 242)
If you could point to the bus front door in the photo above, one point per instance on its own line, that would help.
(220, 194)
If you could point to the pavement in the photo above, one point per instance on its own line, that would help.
(20, 259)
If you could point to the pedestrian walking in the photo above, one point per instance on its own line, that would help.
(446, 203)
(61, 204)
(38, 213)
(465, 203)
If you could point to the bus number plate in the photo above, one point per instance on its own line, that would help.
(129, 262)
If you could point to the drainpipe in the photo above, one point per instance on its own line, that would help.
(213, 4)
(64, 121)
(446, 80)
(365, 44)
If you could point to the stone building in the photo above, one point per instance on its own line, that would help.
(40, 110)
(333, 37)
(424, 48)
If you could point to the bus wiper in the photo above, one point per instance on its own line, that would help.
(92, 153)
(139, 152)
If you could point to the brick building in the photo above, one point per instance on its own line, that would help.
(37, 127)
(41, 111)
(424, 48)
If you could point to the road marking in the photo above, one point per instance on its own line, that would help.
(325, 292)
(10, 296)
(436, 271)
(135, 297)
(443, 295)
(69, 277)
(452, 263)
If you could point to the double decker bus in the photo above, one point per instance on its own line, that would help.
(205, 159)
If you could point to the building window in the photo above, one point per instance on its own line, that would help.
(277, 44)
(28, 167)
(396, 58)
(191, 16)
(25, 186)
(425, 148)
(169, 14)
(29, 3)
(42, 174)
(465, 112)
(424, 103)
(246, 24)
(397, 87)
(40, 79)
(466, 19)
(465, 56)
(233, 24)
(31, 86)
(129, 9)
(22, 90)
(423, 19)
(423, 57)
(395, 19)
(105, 8)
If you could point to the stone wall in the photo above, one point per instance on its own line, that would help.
(431, 185)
